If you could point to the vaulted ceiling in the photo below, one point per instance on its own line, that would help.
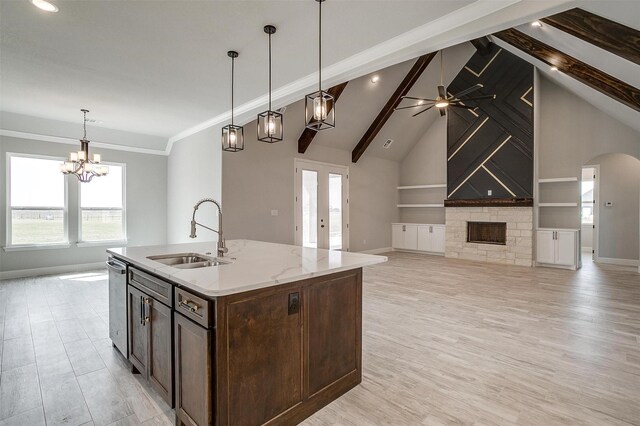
(604, 61)
(160, 68)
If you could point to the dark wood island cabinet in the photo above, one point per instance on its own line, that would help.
(269, 356)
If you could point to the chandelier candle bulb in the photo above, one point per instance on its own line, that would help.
(96, 158)
(73, 157)
(81, 156)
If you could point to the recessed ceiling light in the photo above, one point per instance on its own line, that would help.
(536, 24)
(44, 5)
(554, 68)
(375, 78)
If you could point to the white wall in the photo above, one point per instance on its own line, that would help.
(426, 163)
(146, 201)
(194, 172)
(618, 225)
(261, 178)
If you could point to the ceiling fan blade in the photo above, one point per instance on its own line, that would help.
(418, 99)
(467, 91)
(464, 106)
(411, 106)
(424, 110)
(443, 112)
(442, 92)
(480, 98)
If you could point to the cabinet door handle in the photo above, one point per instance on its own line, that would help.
(147, 317)
(141, 311)
(404, 228)
(431, 229)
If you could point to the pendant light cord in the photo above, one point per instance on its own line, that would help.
(320, 45)
(269, 72)
(232, 72)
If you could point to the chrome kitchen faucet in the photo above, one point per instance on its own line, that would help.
(222, 249)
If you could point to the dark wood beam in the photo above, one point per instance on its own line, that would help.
(482, 45)
(307, 134)
(585, 73)
(602, 32)
(412, 76)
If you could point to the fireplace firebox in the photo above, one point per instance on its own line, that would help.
(487, 232)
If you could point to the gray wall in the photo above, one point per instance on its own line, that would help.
(425, 164)
(571, 133)
(146, 201)
(620, 184)
(261, 178)
(193, 173)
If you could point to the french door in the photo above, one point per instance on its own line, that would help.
(321, 205)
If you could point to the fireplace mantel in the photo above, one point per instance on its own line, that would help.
(490, 202)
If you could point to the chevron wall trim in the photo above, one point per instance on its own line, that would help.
(490, 149)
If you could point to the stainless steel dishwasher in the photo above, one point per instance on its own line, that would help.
(118, 304)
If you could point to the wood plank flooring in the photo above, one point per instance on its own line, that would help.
(58, 366)
(445, 342)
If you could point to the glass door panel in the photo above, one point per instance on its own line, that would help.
(335, 211)
(310, 208)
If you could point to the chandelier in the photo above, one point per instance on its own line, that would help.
(79, 163)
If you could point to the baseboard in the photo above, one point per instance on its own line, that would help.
(430, 253)
(620, 262)
(377, 251)
(51, 270)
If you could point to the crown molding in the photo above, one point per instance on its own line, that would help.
(403, 47)
(70, 141)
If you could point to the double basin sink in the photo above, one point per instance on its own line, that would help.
(188, 260)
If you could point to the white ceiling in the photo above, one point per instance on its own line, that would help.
(160, 67)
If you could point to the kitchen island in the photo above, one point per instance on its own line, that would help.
(268, 334)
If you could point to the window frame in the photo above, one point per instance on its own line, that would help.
(89, 243)
(9, 246)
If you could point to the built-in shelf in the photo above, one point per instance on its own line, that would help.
(553, 180)
(557, 204)
(437, 185)
(420, 205)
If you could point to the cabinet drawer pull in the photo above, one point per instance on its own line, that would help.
(192, 306)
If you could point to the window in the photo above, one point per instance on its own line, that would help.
(102, 207)
(37, 201)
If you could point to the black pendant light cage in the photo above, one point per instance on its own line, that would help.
(232, 135)
(270, 123)
(319, 106)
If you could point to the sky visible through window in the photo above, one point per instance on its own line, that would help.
(36, 182)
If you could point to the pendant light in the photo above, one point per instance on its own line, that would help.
(319, 106)
(270, 123)
(232, 135)
(79, 163)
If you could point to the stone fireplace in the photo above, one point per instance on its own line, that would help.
(474, 233)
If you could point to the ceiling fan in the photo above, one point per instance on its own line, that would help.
(443, 100)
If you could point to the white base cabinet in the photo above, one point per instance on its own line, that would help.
(558, 247)
(418, 237)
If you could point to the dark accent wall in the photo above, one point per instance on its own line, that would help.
(491, 148)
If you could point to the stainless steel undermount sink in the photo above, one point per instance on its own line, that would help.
(187, 260)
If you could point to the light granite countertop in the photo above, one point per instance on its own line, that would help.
(254, 264)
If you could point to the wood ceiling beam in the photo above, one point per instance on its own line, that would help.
(602, 32)
(584, 73)
(407, 83)
(307, 134)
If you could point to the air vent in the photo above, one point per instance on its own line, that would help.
(387, 144)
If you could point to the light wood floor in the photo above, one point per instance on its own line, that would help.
(445, 342)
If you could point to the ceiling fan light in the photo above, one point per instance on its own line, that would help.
(442, 103)
(45, 5)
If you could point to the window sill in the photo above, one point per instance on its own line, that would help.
(29, 247)
(113, 243)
